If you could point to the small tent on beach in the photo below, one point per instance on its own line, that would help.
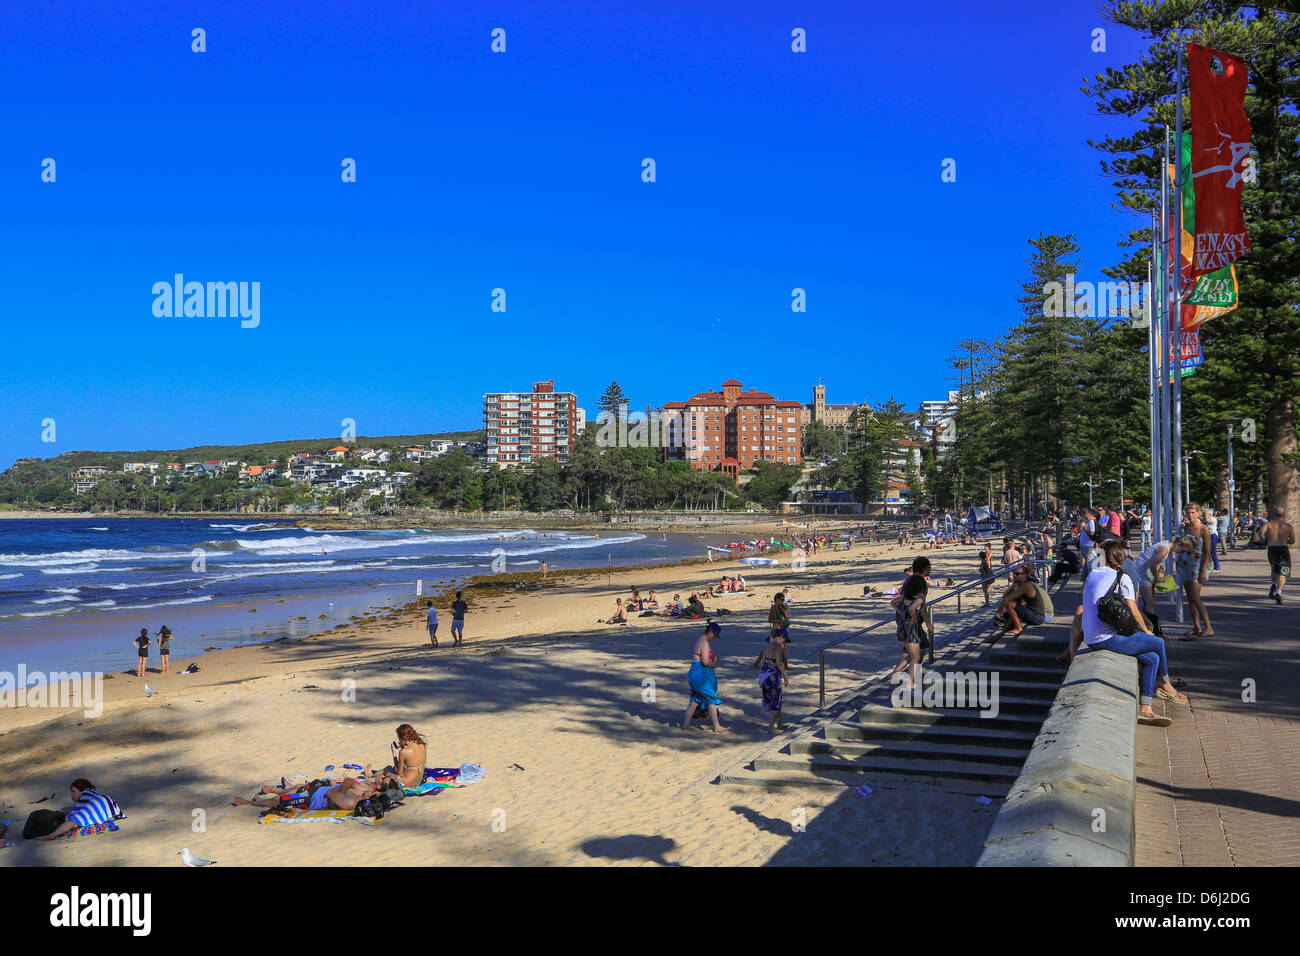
(983, 520)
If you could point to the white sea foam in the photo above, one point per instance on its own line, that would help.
(568, 545)
(54, 600)
(178, 601)
(54, 559)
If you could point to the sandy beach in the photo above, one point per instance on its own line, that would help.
(575, 722)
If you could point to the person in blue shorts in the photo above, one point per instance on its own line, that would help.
(458, 609)
(432, 615)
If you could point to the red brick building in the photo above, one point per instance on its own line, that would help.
(732, 429)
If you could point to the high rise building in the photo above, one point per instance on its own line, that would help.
(524, 427)
(731, 429)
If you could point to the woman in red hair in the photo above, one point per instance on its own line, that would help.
(409, 757)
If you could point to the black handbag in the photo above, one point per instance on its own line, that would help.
(42, 823)
(1112, 609)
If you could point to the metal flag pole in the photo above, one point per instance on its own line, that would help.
(1167, 373)
(1153, 378)
(1232, 494)
(1176, 305)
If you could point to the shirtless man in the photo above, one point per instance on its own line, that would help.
(1194, 570)
(344, 795)
(1010, 555)
(1279, 535)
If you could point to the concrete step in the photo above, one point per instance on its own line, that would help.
(925, 749)
(926, 716)
(1043, 675)
(773, 779)
(1006, 704)
(1009, 682)
(939, 766)
(1013, 654)
(939, 733)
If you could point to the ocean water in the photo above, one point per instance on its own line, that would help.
(74, 592)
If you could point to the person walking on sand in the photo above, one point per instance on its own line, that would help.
(458, 609)
(703, 679)
(142, 651)
(773, 666)
(432, 615)
(1142, 644)
(543, 570)
(165, 648)
(778, 617)
(986, 569)
(1279, 535)
(1193, 570)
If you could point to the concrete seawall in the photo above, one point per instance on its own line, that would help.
(1073, 803)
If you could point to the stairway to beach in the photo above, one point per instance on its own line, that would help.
(864, 737)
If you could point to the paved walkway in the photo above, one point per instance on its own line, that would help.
(1221, 787)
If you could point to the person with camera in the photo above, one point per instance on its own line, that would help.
(409, 757)
(1112, 622)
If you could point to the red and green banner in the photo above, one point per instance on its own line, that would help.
(1220, 148)
(1214, 293)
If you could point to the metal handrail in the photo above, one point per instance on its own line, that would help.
(956, 592)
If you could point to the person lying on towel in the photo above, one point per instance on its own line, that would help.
(91, 808)
(320, 794)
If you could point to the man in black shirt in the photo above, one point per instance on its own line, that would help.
(458, 609)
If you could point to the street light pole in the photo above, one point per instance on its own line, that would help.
(1232, 490)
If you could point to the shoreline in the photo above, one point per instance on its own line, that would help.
(576, 723)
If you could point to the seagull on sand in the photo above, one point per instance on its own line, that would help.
(149, 691)
(189, 859)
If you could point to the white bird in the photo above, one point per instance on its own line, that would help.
(189, 859)
(149, 691)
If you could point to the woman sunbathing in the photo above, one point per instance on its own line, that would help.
(409, 756)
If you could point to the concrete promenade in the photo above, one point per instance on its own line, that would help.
(1221, 787)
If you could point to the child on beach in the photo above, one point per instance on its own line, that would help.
(773, 666)
(986, 569)
(432, 615)
(165, 648)
(778, 617)
(142, 651)
(703, 680)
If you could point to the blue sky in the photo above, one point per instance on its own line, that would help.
(522, 171)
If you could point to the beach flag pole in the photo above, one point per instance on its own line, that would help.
(1176, 310)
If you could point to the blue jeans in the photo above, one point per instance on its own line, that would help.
(1148, 539)
(1214, 550)
(1150, 653)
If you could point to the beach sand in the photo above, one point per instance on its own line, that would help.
(576, 724)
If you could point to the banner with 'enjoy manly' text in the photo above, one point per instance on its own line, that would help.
(1220, 151)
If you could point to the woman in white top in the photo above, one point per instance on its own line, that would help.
(1142, 644)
